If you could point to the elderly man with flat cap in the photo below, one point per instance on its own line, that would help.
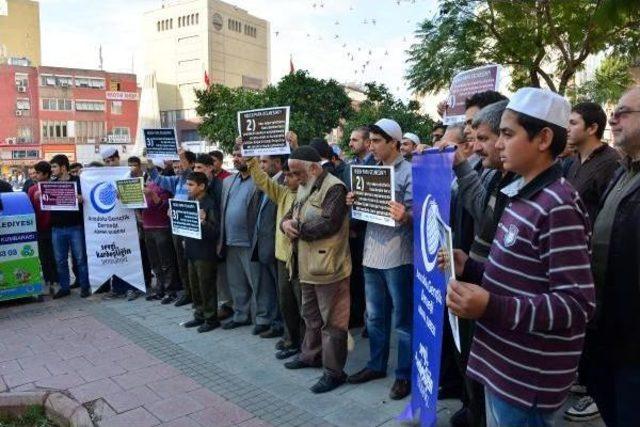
(318, 226)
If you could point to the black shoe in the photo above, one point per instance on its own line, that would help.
(272, 333)
(281, 344)
(169, 299)
(224, 312)
(208, 326)
(84, 293)
(193, 323)
(400, 389)
(259, 329)
(75, 285)
(286, 353)
(460, 418)
(365, 375)
(328, 383)
(154, 297)
(132, 295)
(62, 293)
(233, 324)
(299, 364)
(183, 300)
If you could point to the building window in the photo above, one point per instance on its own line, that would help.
(120, 131)
(25, 135)
(115, 86)
(171, 24)
(116, 107)
(90, 82)
(90, 106)
(158, 25)
(57, 104)
(54, 129)
(197, 18)
(25, 154)
(22, 81)
(179, 21)
(23, 104)
(90, 129)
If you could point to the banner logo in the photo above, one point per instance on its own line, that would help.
(430, 233)
(103, 197)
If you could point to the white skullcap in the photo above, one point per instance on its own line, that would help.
(413, 137)
(108, 152)
(542, 104)
(391, 128)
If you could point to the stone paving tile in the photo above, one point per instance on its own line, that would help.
(174, 407)
(182, 422)
(93, 373)
(173, 386)
(123, 401)
(138, 417)
(221, 416)
(61, 382)
(93, 390)
(21, 377)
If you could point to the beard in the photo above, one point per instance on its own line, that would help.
(304, 191)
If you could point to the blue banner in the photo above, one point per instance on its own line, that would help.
(432, 177)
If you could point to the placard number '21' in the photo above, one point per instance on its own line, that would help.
(359, 183)
(251, 125)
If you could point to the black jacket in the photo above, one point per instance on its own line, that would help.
(203, 249)
(617, 326)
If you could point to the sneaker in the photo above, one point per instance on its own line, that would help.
(61, 293)
(84, 293)
(584, 409)
(578, 389)
(327, 383)
(282, 344)
(183, 300)
(286, 353)
(169, 299)
(132, 295)
(400, 389)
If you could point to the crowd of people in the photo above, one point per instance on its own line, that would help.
(544, 216)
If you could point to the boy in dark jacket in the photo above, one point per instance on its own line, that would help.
(201, 258)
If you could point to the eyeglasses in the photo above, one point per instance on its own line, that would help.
(616, 115)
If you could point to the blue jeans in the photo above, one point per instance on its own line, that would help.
(65, 238)
(389, 291)
(502, 413)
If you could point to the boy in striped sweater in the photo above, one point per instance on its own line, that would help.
(537, 290)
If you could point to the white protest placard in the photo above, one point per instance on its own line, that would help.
(374, 188)
(264, 131)
(467, 84)
(185, 218)
(110, 230)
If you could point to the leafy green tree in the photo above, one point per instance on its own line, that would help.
(608, 84)
(380, 103)
(317, 106)
(539, 40)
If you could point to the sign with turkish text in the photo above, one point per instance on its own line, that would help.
(58, 195)
(264, 131)
(374, 188)
(161, 144)
(122, 96)
(20, 273)
(432, 176)
(110, 229)
(467, 84)
(131, 193)
(185, 218)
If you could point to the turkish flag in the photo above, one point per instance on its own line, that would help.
(206, 79)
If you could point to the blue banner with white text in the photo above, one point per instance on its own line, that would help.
(432, 178)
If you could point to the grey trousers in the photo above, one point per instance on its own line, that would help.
(267, 309)
(242, 278)
(224, 294)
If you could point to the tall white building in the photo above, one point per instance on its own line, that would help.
(186, 39)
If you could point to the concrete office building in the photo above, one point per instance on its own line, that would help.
(186, 39)
(20, 32)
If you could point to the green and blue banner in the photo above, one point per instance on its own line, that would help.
(20, 273)
(432, 178)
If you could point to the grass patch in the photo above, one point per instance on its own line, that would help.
(34, 416)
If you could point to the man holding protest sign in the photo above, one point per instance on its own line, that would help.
(388, 267)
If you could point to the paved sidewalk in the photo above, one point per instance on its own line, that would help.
(136, 366)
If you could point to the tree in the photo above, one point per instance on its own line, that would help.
(316, 107)
(608, 84)
(381, 103)
(539, 40)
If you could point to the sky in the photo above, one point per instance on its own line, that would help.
(352, 41)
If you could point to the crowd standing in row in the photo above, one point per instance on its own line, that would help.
(542, 210)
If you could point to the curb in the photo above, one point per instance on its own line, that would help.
(62, 409)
